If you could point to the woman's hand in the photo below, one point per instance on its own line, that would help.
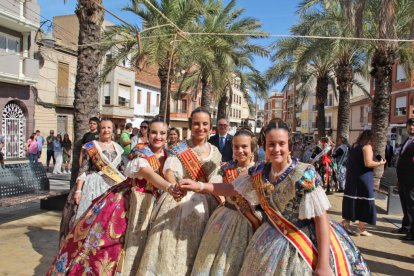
(77, 197)
(324, 270)
(176, 192)
(190, 185)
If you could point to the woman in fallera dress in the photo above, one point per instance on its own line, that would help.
(110, 236)
(92, 182)
(296, 238)
(178, 226)
(231, 226)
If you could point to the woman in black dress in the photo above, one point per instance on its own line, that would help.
(359, 198)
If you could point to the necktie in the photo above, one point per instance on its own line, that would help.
(221, 143)
(409, 141)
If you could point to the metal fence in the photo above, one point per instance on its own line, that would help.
(14, 133)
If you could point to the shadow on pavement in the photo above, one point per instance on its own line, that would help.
(387, 255)
(44, 242)
(388, 269)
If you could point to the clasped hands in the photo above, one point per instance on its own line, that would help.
(179, 190)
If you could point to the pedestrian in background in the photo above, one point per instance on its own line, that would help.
(389, 154)
(93, 133)
(359, 199)
(222, 140)
(40, 142)
(67, 153)
(49, 146)
(173, 137)
(31, 148)
(143, 133)
(2, 142)
(57, 151)
(125, 141)
(405, 169)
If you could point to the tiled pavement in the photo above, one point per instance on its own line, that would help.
(28, 241)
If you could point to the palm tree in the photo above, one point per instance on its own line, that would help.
(86, 104)
(303, 62)
(219, 56)
(162, 41)
(336, 18)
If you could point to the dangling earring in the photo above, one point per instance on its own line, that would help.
(289, 158)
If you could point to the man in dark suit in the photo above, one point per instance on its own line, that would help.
(405, 169)
(222, 140)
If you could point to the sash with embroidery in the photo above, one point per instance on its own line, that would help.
(242, 205)
(143, 151)
(191, 163)
(294, 235)
(105, 167)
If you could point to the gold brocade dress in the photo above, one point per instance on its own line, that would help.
(177, 227)
(142, 202)
(298, 196)
(226, 236)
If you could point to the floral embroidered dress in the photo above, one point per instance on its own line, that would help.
(177, 227)
(110, 236)
(95, 183)
(228, 231)
(297, 195)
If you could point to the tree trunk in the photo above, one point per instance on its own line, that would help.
(344, 77)
(222, 106)
(382, 62)
(206, 94)
(321, 95)
(164, 100)
(87, 84)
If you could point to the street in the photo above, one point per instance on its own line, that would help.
(29, 240)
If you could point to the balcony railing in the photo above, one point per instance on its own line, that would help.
(153, 109)
(19, 69)
(65, 96)
(26, 12)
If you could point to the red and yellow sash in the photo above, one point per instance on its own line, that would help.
(295, 236)
(107, 169)
(143, 151)
(242, 205)
(190, 162)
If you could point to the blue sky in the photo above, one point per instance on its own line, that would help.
(276, 15)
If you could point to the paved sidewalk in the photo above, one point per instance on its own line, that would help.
(29, 241)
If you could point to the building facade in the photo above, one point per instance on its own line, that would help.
(147, 95)
(273, 108)
(19, 71)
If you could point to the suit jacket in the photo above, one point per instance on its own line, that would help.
(227, 151)
(405, 166)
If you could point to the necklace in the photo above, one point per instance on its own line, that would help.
(243, 169)
(277, 174)
(199, 150)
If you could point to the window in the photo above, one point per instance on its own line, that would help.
(158, 100)
(9, 44)
(106, 94)
(184, 106)
(400, 106)
(63, 80)
(62, 124)
(139, 92)
(148, 102)
(124, 95)
(400, 74)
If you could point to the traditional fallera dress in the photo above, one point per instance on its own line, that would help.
(340, 161)
(110, 236)
(228, 231)
(286, 243)
(100, 169)
(177, 227)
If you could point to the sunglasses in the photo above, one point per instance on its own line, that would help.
(144, 127)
